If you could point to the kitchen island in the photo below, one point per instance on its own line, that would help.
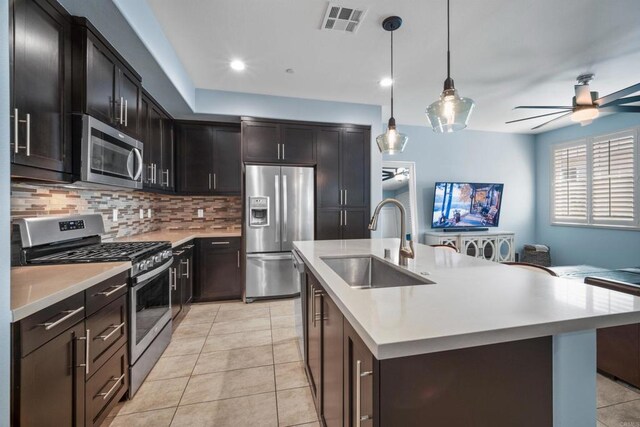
(484, 344)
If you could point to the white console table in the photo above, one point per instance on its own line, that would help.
(495, 245)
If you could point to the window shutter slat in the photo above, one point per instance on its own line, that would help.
(570, 183)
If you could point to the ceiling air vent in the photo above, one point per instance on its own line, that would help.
(342, 18)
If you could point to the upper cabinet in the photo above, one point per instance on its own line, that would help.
(106, 87)
(209, 159)
(272, 142)
(158, 137)
(40, 55)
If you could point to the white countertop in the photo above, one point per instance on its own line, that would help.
(474, 302)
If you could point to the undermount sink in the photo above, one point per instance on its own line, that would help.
(367, 272)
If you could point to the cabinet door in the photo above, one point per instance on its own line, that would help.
(314, 338)
(40, 72)
(219, 275)
(297, 144)
(355, 167)
(332, 363)
(359, 381)
(101, 80)
(227, 165)
(618, 351)
(176, 287)
(261, 142)
(355, 224)
(328, 224)
(52, 382)
(328, 190)
(167, 154)
(129, 104)
(154, 145)
(195, 157)
(144, 137)
(186, 264)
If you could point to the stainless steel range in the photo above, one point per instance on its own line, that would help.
(77, 239)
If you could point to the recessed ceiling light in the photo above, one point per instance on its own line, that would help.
(289, 71)
(238, 65)
(386, 82)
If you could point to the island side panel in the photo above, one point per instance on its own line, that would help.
(574, 379)
(500, 385)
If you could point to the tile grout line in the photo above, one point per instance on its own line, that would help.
(275, 384)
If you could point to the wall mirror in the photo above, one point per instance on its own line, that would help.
(399, 182)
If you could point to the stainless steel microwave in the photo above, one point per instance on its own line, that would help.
(108, 156)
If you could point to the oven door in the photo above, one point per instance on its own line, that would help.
(109, 156)
(150, 308)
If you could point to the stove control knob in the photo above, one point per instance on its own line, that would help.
(157, 258)
(167, 254)
(141, 266)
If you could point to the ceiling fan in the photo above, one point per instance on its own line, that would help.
(586, 104)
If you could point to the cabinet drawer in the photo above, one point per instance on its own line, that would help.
(106, 387)
(105, 292)
(48, 323)
(221, 243)
(108, 331)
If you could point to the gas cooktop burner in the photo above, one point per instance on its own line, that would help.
(103, 252)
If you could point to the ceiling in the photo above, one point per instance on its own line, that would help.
(504, 52)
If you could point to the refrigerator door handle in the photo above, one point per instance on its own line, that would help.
(277, 185)
(285, 207)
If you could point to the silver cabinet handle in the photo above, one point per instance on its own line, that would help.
(87, 356)
(114, 289)
(345, 218)
(278, 151)
(126, 113)
(340, 197)
(209, 181)
(113, 388)
(341, 218)
(186, 262)
(174, 275)
(162, 173)
(15, 130)
(238, 259)
(215, 185)
(219, 243)
(28, 134)
(116, 328)
(189, 246)
(345, 198)
(282, 151)
(313, 305)
(27, 122)
(285, 209)
(178, 253)
(68, 314)
(359, 375)
(121, 110)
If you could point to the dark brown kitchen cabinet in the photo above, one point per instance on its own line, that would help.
(158, 139)
(218, 271)
(209, 159)
(313, 347)
(186, 273)
(40, 97)
(278, 142)
(105, 85)
(358, 392)
(181, 281)
(175, 283)
(342, 176)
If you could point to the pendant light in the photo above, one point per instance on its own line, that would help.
(451, 112)
(392, 141)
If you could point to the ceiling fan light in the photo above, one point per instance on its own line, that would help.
(450, 113)
(585, 115)
(391, 141)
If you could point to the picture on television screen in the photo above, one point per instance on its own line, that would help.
(466, 205)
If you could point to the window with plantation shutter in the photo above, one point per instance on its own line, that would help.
(595, 182)
(569, 183)
(613, 182)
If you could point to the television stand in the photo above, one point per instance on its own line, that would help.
(464, 230)
(494, 245)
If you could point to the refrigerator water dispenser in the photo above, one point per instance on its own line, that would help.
(258, 211)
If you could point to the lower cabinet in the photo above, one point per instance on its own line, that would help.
(218, 272)
(181, 277)
(335, 224)
(70, 365)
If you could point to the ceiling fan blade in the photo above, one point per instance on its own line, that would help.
(546, 107)
(621, 101)
(535, 117)
(619, 94)
(621, 109)
(552, 120)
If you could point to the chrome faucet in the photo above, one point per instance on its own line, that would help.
(406, 251)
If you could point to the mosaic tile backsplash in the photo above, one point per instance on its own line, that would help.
(168, 212)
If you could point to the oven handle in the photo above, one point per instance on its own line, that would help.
(151, 274)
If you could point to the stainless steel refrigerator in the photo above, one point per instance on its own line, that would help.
(280, 210)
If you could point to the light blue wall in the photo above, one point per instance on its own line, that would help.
(5, 297)
(477, 157)
(221, 103)
(580, 245)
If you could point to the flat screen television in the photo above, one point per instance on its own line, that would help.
(466, 205)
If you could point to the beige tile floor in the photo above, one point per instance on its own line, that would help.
(234, 364)
(228, 364)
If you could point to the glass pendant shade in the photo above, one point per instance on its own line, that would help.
(392, 141)
(450, 113)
